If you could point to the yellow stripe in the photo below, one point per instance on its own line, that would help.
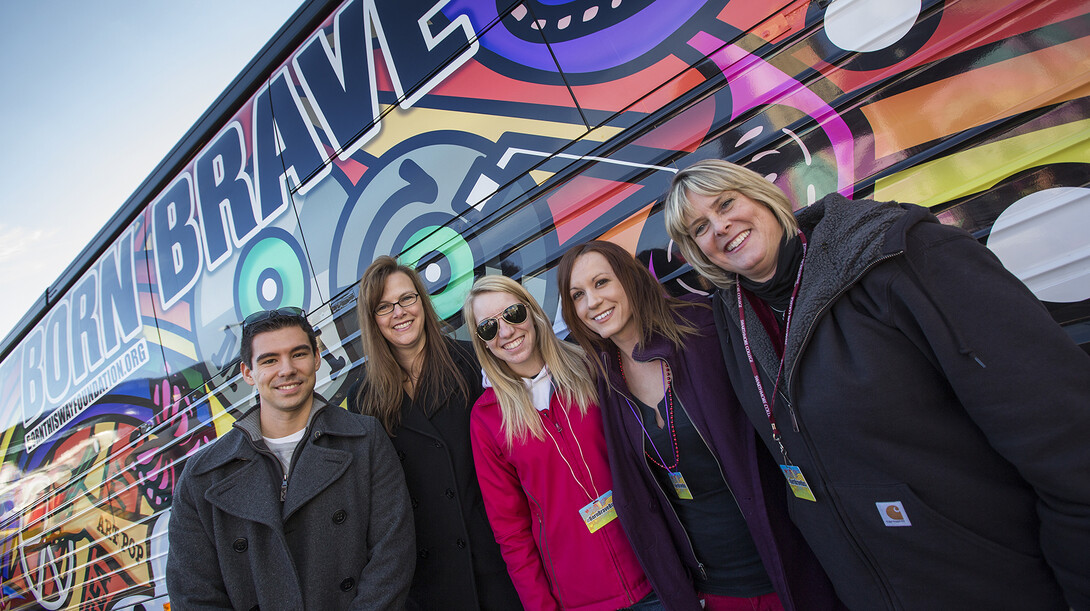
(975, 170)
(400, 125)
(177, 343)
(7, 442)
(220, 418)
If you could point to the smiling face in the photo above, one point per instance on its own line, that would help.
(515, 345)
(600, 301)
(284, 371)
(404, 327)
(736, 233)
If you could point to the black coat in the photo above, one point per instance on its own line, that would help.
(920, 372)
(458, 563)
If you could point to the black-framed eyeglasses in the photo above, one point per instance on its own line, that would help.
(284, 312)
(385, 307)
(514, 314)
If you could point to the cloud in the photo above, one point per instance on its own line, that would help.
(15, 242)
(27, 258)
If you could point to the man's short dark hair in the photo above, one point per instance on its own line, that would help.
(271, 320)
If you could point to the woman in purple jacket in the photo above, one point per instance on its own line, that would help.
(702, 502)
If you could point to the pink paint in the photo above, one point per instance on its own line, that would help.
(754, 82)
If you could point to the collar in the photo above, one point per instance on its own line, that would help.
(250, 422)
(776, 292)
(540, 388)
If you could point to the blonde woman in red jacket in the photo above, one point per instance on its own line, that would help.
(540, 454)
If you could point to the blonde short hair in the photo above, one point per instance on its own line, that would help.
(712, 178)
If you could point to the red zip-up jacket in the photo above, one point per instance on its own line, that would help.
(533, 502)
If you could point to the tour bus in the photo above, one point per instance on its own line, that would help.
(472, 137)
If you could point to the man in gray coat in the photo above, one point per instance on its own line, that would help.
(302, 505)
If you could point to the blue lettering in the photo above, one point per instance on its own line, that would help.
(86, 341)
(56, 351)
(119, 297)
(176, 238)
(415, 50)
(285, 148)
(32, 374)
(340, 82)
(225, 195)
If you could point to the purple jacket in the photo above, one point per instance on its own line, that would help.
(663, 547)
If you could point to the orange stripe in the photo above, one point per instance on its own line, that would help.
(983, 95)
(626, 234)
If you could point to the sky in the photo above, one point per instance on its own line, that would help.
(95, 94)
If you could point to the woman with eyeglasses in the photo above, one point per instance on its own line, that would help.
(541, 461)
(718, 535)
(420, 384)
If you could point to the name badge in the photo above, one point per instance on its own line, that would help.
(680, 487)
(599, 512)
(797, 482)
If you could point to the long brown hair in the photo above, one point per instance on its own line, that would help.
(654, 310)
(568, 365)
(380, 394)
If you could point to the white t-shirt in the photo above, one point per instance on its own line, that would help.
(541, 389)
(284, 447)
(539, 386)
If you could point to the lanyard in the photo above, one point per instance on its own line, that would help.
(669, 417)
(581, 456)
(786, 333)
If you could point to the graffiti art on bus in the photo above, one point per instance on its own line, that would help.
(487, 137)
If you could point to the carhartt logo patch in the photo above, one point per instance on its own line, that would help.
(893, 513)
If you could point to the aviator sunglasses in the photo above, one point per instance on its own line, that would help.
(285, 312)
(514, 314)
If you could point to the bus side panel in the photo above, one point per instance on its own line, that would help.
(488, 137)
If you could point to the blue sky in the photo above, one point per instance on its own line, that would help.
(95, 94)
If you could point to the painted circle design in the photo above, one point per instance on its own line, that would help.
(864, 35)
(1047, 266)
(432, 272)
(455, 256)
(850, 25)
(271, 273)
(583, 37)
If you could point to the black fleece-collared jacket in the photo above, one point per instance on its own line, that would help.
(939, 414)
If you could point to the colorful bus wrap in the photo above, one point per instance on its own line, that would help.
(488, 136)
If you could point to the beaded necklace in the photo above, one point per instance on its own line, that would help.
(668, 392)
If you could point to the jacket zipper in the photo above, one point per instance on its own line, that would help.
(284, 472)
(782, 393)
(647, 468)
(547, 414)
(790, 389)
(821, 312)
(717, 463)
(543, 547)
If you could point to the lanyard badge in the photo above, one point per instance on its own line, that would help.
(677, 480)
(791, 473)
(600, 511)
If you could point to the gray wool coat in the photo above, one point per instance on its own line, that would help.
(342, 538)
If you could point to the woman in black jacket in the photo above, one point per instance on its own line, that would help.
(928, 414)
(421, 384)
